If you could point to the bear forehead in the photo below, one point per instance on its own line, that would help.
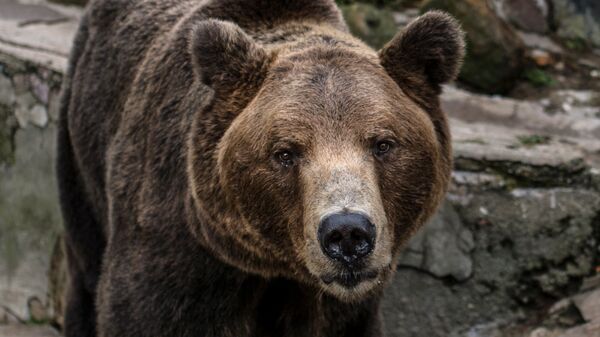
(352, 93)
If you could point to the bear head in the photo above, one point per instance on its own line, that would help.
(330, 157)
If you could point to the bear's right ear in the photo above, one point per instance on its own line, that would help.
(225, 56)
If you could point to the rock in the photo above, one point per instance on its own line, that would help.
(29, 219)
(495, 53)
(532, 40)
(528, 15)
(405, 17)
(28, 111)
(15, 330)
(541, 57)
(591, 283)
(589, 305)
(54, 104)
(532, 115)
(7, 93)
(373, 25)
(7, 130)
(442, 247)
(39, 88)
(38, 312)
(21, 84)
(532, 241)
(578, 22)
(7, 316)
(71, 2)
(541, 332)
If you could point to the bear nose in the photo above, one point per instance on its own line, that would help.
(346, 237)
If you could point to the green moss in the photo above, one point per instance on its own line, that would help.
(533, 140)
(576, 44)
(538, 77)
(475, 141)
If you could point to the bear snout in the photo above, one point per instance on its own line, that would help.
(347, 238)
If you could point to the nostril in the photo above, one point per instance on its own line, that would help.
(358, 235)
(335, 237)
(346, 237)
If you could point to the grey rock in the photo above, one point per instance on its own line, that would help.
(533, 40)
(442, 247)
(54, 104)
(581, 121)
(7, 92)
(39, 88)
(28, 111)
(528, 244)
(29, 219)
(528, 15)
(578, 21)
(21, 83)
(536, 240)
(15, 330)
(405, 17)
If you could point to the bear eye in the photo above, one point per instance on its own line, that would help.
(382, 147)
(286, 158)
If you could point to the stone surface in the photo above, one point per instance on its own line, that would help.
(37, 32)
(578, 22)
(8, 125)
(531, 115)
(373, 25)
(29, 219)
(442, 248)
(27, 331)
(494, 57)
(529, 243)
(7, 92)
(528, 15)
(532, 40)
(28, 111)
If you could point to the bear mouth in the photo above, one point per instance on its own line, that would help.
(350, 279)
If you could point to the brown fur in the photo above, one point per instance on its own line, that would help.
(180, 219)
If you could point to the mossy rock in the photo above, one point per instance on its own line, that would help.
(495, 54)
(375, 26)
(577, 23)
(7, 130)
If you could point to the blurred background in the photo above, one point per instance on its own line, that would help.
(513, 252)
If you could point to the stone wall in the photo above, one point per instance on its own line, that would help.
(29, 216)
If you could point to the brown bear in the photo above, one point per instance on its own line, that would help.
(238, 168)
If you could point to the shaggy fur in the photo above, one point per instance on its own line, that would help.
(181, 220)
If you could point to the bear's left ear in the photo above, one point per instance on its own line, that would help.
(425, 54)
(225, 57)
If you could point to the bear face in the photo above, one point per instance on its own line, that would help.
(334, 155)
